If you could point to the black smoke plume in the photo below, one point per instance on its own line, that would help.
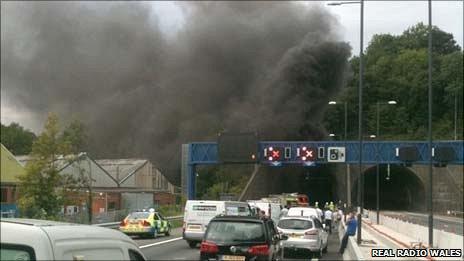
(268, 67)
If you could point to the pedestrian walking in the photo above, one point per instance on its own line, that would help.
(351, 225)
(284, 211)
(328, 219)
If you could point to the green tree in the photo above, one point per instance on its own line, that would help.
(74, 136)
(17, 139)
(43, 189)
(396, 68)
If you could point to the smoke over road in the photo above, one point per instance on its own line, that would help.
(249, 66)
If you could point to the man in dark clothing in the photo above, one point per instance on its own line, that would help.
(351, 224)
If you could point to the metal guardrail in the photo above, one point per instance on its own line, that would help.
(116, 224)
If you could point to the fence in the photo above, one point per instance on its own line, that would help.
(8, 214)
(115, 224)
(97, 218)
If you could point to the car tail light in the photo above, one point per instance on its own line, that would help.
(123, 223)
(208, 247)
(311, 233)
(146, 223)
(184, 225)
(260, 250)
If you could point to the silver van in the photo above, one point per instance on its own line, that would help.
(32, 239)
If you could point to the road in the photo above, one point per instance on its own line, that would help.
(446, 223)
(174, 247)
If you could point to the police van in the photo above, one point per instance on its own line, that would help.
(198, 213)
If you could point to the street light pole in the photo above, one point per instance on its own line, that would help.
(430, 195)
(377, 157)
(345, 136)
(360, 118)
(361, 177)
(455, 116)
(378, 172)
(347, 173)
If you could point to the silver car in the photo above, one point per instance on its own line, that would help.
(306, 235)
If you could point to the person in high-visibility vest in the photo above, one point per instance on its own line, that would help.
(332, 206)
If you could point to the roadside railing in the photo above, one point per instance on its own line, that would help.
(116, 224)
(97, 218)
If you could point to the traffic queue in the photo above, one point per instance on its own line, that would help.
(273, 228)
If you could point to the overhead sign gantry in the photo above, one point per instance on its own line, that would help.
(248, 149)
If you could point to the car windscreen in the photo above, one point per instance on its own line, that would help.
(138, 215)
(295, 224)
(226, 232)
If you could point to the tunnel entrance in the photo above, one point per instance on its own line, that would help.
(317, 182)
(400, 189)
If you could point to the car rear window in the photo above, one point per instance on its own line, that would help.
(235, 232)
(138, 215)
(295, 224)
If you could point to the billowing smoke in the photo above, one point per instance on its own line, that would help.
(268, 67)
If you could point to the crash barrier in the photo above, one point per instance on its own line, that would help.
(420, 234)
(82, 217)
(8, 214)
(352, 248)
(116, 224)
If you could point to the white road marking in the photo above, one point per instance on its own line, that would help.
(160, 243)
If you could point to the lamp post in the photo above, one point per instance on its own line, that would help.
(430, 185)
(360, 118)
(347, 173)
(377, 156)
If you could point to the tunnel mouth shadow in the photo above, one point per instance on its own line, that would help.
(400, 189)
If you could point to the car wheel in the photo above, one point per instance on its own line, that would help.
(168, 232)
(192, 244)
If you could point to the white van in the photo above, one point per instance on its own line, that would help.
(198, 213)
(33, 239)
(272, 210)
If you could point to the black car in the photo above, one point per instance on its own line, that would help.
(241, 238)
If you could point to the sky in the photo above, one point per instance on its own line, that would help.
(380, 17)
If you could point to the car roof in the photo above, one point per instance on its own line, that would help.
(59, 230)
(303, 208)
(298, 217)
(36, 222)
(237, 218)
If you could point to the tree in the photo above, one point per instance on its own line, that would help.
(74, 137)
(396, 69)
(17, 139)
(43, 189)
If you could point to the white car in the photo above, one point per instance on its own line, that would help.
(306, 235)
(32, 239)
(304, 211)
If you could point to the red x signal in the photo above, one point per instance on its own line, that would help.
(276, 154)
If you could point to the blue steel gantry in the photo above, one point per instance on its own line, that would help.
(381, 152)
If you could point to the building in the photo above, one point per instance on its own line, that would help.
(100, 184)
(10, 170)
(140, 183)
